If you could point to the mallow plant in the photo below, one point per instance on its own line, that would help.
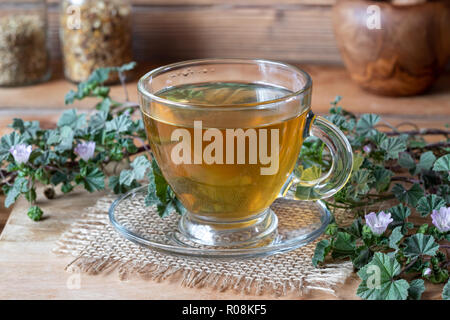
(396, 171)
(407, 180)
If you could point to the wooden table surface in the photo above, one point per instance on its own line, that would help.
(30, 270)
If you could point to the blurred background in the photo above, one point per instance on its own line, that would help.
(385, 57)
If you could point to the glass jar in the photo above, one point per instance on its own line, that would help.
(94, 34)
(24, 54)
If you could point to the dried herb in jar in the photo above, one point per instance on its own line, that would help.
(94, 34)
(23, 49)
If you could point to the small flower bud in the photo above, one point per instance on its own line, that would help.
(426, 272)
(367, 148)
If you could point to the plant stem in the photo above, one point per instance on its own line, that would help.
(362, 204)
(436, 145)
(126, 105)
(122, 82)
(377, 195)
(423, 132)
(401, 124)
(4, 178)
(409, 265)
(405, 179)
(336, 206)
(141, 149)
(387, 124)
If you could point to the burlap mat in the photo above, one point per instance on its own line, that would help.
(98, 248)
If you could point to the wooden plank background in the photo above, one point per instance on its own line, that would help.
(170, 30)
(430, 110)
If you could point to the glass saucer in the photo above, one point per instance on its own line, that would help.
(299, 223)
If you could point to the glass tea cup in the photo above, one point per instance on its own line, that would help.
(227, 135)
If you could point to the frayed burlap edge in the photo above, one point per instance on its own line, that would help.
(94, 221)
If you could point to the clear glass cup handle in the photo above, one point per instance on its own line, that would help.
(341, 168)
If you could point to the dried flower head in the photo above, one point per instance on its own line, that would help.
(21, 152)
(441, 219)
(85, 150)
(378, 223)
(23, 49)
(94, 42)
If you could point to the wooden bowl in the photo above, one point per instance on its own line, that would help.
(405, 56)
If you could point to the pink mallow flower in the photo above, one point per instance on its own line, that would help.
(21, 153)
(441, 219)
(378, 224)
(85, 150)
